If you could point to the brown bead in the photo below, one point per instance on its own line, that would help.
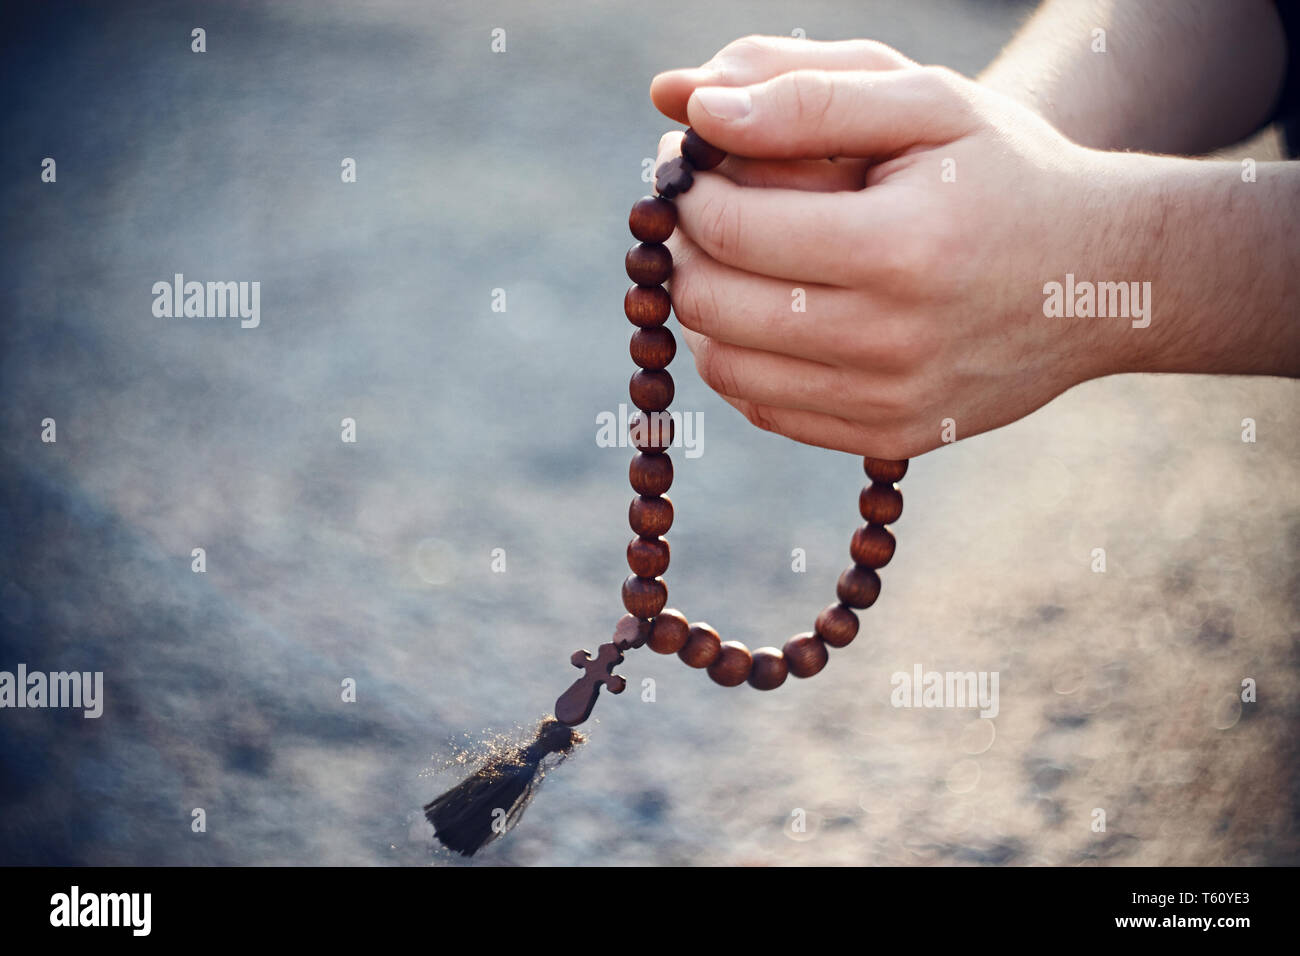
(652, 219)
(644, 597)
(872, 546)
(882, 469)
(653, 348)
(631, 632)
(806, 654)
(837, 625)
(647, 305)
(649, 263)
(674, 177)
(858, 587)
(651, 391)
(768, 670)
(703, 156)
(648, 557)
(650, 517)
(651, 431)
(733, 664)
(880, 503)
(651, 474)
(702, 646)
(669, 633)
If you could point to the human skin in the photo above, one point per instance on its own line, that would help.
(925, 297)
(1178, 76)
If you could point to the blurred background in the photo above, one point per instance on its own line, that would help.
(476, 430)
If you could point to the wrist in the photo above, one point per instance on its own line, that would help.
(1201, 254)
(1137, 229)
(1100, 283)
(1217, 247)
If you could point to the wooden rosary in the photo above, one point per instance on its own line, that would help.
(492, 799)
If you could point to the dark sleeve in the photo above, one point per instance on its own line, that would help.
(1287, 114)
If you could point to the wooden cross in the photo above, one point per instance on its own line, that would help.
(576, 703)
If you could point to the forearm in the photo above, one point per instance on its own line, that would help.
(1178, 76)
(1223, 259)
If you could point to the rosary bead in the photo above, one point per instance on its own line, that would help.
(647, 305)
(837, 625)
(631, 632)
(702, 646)
(732, 665)
(644, 597)
(769, 669)
(648, 557)
(674, 177)
(670, 632)
(880, 503)
(652, 219)
(649, 263)
(884, 470)
(872, 546)
(650, 517)
(651, 432)
(651, 474)
(651, 391)
(703, 156)
(653, 348)
(858, 587)
(805, 654)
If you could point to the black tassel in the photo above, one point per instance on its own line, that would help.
(463, 817)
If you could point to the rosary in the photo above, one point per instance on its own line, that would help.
(492, 799)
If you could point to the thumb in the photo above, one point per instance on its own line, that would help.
(753, 59)
(817, 114)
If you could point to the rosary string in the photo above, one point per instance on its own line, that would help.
(647, 305)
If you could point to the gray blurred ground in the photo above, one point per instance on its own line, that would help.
(476, 431)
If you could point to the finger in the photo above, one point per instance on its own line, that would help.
(754, 59)
(768, 378)
(810, 175)
(826, 238)
(828, 431)
(820, 323)
(813, 114)
(779, 381)
(813, 175)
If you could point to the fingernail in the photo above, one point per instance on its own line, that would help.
(724, 102)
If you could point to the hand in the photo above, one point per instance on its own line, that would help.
(921, 252)
(923, 297)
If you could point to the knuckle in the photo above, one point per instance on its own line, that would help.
(718, 222)
(716, 368)
(918, 255)
(744, 48)
(811, 94)
(695, 300)
(895, 400)
(920, 386)
(945, 239)
(883, 53)
(894, 443)
(904, 256)
(761, 417)
(900, 345)
(912, 346)
(880, 436)
(940, 82)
